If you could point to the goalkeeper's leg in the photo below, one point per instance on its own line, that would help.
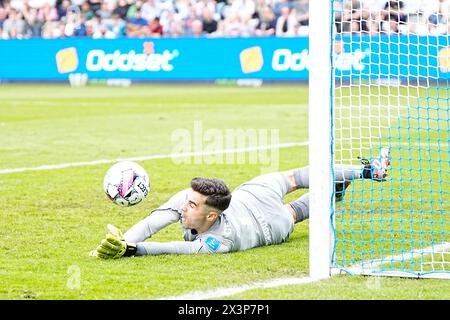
(376, 170)
(299, 178)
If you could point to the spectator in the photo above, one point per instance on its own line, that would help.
(94, 23)
(229, 18)
(393, 17)
(95, 5)
(244, 8)
(279, 5)
(33, 24)
(444, 8)
(172, 26)
(58, 31)
(259, 8)
(209, 24)
(286, 25)
(105, 12)
(166, 6)
(87, 11)
(302, 9)
(2, 19)
(220, 7)
(131, 13)
(267, 23)
(232, 25)
(155, 27)
(117, 26)
(72, 19)
(183, 9)
(62, 8)
(248, 26)
(150, 10)
(200, 5)
(80, 28)
(103, 32)
(439, 18)
(13, 26)
(220, 32)
(196, 29)
(418, 24)
(355, 18)
(137, 26)
(121, 9)
(391, 24)
(192, 16)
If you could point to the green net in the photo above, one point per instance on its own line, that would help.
(391, 90)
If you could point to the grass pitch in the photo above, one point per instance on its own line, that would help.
(51, 219)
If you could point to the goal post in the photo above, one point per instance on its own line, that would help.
(320, 182)
(379, 79)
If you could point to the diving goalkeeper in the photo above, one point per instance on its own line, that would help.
(214, 220)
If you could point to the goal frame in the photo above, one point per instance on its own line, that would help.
(321, 153)
(320, 139)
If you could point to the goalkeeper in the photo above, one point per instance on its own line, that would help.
(214, 220)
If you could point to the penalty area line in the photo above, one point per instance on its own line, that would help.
(356, 269)
(229, 291)
(153, 157)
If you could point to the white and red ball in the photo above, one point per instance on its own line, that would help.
(126, 183)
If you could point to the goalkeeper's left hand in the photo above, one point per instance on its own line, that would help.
(114, 245)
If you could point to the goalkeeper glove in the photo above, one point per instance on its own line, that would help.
(114, 245)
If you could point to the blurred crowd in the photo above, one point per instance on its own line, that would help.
(419, 17)
(213, 18)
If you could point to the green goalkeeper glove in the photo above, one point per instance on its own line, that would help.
(114, 245)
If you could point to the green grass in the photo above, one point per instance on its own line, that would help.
(51, 219)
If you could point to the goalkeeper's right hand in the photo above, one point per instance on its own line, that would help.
(114, 245)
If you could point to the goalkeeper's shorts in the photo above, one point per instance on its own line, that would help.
(265, 198)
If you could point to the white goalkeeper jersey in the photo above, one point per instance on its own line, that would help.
(241, 226)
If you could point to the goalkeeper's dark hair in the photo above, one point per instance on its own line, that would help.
(218, 196)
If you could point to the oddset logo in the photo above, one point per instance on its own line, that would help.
(67, 60)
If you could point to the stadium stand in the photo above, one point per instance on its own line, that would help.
(22, 19)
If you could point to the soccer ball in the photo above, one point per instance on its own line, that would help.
(126, 183)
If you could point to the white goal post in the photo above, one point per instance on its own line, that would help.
(379, 78)
(320, 159)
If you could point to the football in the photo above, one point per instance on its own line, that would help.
(126, 183)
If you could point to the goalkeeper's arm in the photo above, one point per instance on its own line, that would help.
(166, 214)
(114, 246)
(147, 227)
(179, 247)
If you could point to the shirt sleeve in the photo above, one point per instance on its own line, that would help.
(203, 245)
(147, 227)
(161, 217)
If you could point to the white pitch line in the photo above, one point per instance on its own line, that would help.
(229, 291)
(437, 248)
(167, 156)
(369, 266)
(160, 156)
(223, 292)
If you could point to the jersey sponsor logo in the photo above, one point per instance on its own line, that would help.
(212, 243)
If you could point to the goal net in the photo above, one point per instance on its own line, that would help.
(389, 77)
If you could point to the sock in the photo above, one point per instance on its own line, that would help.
(301, 207)
(342, 173)
(367, 172)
